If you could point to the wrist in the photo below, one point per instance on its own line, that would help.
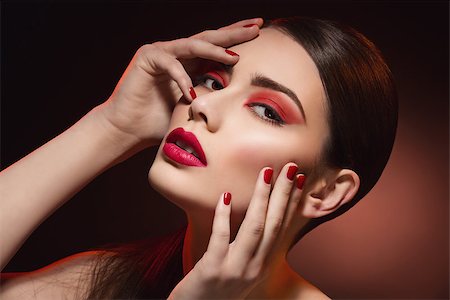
(121, 145)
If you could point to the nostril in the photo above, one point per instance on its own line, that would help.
(203, 116)
(190, 114)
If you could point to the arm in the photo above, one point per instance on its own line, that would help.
(35, 186)
(136, 116)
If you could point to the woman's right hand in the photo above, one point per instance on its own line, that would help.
(141, 105)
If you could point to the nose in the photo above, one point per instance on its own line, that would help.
(208, 109)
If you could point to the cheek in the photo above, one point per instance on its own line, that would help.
(256, 152)
(243, 159)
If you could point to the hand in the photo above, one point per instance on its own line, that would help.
(142, 103)
(231, 271)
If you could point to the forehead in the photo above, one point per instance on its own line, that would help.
(276, 55)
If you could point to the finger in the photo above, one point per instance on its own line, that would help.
(155, 61)
(293, 202)
(252, 227)
(229, 37)
(276, 212)
(242, 23)
(197, 48)
(220, 236)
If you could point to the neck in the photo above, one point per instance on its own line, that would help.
(281, 278)
(197, 235)
(195, 243)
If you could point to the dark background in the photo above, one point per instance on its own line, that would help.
(59, 60)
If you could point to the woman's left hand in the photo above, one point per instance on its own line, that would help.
(231, 271)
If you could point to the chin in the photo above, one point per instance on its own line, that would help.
(178, 188)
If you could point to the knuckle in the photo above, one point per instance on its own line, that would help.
(256, 229)
(193, 44)
(158, 44)
(221, 233)
(255, 273)
(208, 272)
(233, 276)
(147, 48)
(252, 276)
(286, 190)
(205, 34)
(275, 224)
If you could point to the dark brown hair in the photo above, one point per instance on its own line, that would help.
(362, 117)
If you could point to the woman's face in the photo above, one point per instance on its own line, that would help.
(265, 111)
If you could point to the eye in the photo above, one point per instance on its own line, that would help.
(210, 82)
(266, 113)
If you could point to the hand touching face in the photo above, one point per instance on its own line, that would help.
(265, 111)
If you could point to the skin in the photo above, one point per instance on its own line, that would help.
(238, 143)
(239, 147)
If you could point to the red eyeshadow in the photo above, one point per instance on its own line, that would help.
(287, 110)
(216, 75)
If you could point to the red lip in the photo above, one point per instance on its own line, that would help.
(178, 154)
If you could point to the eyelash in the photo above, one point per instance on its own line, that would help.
(276, 120)
(201, 81)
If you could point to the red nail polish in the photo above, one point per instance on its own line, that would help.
(268, 175)
(227, 198)
(250, 25)
(300, 181)
(229, 52)
(192, 92)
(291, 172)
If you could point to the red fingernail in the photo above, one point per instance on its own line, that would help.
(268, 175)
(231, 52)
(227, 198)
(250, 25)
(300, 181)
(192, 92)
(291, 172)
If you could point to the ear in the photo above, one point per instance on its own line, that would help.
(329, 192)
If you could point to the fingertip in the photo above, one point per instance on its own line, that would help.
(300, 181)
(226, 198)
(258, 21)
(291, 171)
(231, 53)
(192, 93)
(231, 57)
(268, 172)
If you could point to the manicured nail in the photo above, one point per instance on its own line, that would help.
(268, 175)
(300, 181)
(192, 92)
(291, 172)
(229, 52)
(227, 198)
(250, 25)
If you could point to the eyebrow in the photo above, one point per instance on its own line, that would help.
(266, 82)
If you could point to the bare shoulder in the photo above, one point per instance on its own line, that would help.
(65, 279)
(310, 291)
(306, 290)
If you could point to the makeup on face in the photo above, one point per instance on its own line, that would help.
(230, 118)
(284, 108)
(275, 102)
(184, 148)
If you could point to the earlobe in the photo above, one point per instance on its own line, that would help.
(331, 192)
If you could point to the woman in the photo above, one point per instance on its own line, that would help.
(283, 128)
